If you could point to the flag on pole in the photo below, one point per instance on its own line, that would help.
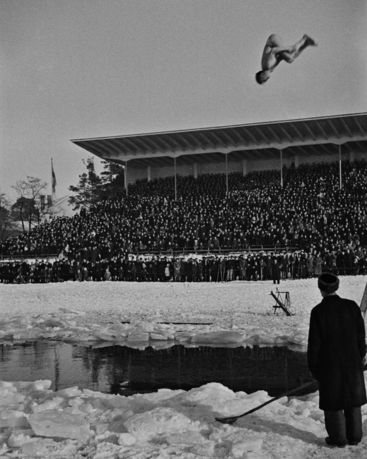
(364, 302)
(53, 177)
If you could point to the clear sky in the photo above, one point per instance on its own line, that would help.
(86, 68)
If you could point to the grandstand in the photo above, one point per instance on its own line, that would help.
(266, 201)
(239, 148)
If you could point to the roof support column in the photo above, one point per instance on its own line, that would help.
(226, 156)
(125, 180)
(296, 161)
(195, 167)
(175, 176)
(281, 167)
(340, 167)
(244, 167)
(149, 173)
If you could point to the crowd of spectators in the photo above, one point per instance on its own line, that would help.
(309, 213)
(193, 268)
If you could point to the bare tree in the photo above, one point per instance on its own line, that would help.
(28, 195)
(6, 222)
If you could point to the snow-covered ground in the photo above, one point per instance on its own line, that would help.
(73, 423)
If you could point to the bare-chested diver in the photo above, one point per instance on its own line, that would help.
(275, 52)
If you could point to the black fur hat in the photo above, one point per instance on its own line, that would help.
(328, 282)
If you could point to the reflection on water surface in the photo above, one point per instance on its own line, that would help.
(120, 369)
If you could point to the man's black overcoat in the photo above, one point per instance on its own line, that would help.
(336, 347)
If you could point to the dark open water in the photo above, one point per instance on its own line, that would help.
(120, 369)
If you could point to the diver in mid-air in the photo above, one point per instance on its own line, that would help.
(275, 52)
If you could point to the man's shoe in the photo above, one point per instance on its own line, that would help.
(339, 444)
(353, 443)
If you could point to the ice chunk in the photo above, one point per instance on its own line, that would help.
(108, 402)
(241, 404)
(117, 424)
(158, 421)
(183, 336)
(260, 339)
(101, 428)
(166, 344)
(9, 397)
(47, 448)
(4, 435)
(103, 345)
(18, 438)
(6, 385)
(209, 394)
(250, 448)
(69, 392)
(13, 418)
(194, 441)
(298, 338)
(126, 439)
(71, 311)
(28, 334)
(86, 408)
(33, 386)
(218, 337)
(140, 325)
(6, 335)
(53, 323)
(106, 450)
(162, 395)
(138, 336)
(49, 405)
(160, 336)
(37, 447)
(105, 335)
(85, 337)
(281, 340)
(54, 423)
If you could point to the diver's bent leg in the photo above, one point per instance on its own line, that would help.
(286, 56)
(302, 44)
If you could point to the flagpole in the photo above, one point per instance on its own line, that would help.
(53, 188)
(53, 182)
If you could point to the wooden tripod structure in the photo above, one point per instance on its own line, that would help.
(283, 302)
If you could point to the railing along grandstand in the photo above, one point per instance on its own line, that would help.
(221, 251)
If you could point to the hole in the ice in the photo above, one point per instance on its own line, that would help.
(125, 370)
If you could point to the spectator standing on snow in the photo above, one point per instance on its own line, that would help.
(167, 272)
(336, 349)
(275, 271)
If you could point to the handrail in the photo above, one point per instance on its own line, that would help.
(184, 251)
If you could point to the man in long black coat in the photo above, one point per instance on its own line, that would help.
(336, 349)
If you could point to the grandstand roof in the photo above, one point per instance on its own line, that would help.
(311, 136)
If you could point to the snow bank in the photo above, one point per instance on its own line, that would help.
(37, 422)
(128, 313)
